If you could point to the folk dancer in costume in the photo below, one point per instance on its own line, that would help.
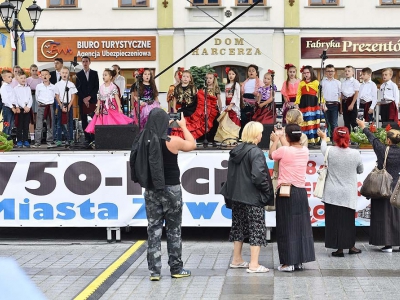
(213, 94)
(233, 99)
(108, 110)
(147, 94)
(367, 96)
(350, 89)
(191, 103)
(307, 101)
(331, 90)
(249, 91)
(171, 89)
(265, 112)
(289, 89)
(390, 98)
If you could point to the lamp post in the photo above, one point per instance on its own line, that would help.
(9, 11)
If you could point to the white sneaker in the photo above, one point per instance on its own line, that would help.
(286, 269)
(387, 249)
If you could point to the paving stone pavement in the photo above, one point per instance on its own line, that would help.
(62, 269)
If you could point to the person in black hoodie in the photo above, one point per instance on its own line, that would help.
(248, 189)
(154, 164)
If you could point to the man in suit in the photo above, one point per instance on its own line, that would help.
(55, 76)
(88, 87)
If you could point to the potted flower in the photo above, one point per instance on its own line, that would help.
(359, 136)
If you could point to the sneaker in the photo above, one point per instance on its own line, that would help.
(19, 144)
(299, 267)
(286, 269)
(36, 145)
(387, 249)
(181, 274)
(27, 144)
(58, 144)
(155, 277)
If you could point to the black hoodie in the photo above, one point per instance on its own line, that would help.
(146, 161)
(248, 179)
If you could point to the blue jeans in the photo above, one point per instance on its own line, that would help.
(62, 128)
(8, 117)
(54, 121)
(332, 115)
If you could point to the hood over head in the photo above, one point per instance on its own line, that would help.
(238, 153)
(158, 123)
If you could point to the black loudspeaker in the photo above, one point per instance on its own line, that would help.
(394, 125)
(115, 137)
(268, 128)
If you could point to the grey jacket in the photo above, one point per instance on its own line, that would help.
(248, 179)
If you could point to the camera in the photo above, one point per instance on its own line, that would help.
(322, 126)
(175, 116)
(278, 124)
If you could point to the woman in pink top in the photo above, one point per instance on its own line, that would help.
(289, 89)
(293, 226)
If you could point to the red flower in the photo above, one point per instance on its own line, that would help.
(272, 72)
(227, 69)
(6, 124)
(398, 123)
(302, 69)
(141, 71)
(388, 127)
(372, 128)
(181, 69)
(215, 75)
(288, 66)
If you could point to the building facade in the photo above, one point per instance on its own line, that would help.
(155, 34)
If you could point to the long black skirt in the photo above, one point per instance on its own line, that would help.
(293, 228)
(340, 227)
(384, 229)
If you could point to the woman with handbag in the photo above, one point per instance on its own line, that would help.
(293, 226)
(385, 219)
(340, 192)
(249, 188)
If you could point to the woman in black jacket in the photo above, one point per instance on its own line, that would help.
(249, 189)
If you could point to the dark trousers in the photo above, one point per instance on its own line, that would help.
(332, 115)
(68, 128)
(84, 118)
(349, 116)
(164, 205)
(23, 126)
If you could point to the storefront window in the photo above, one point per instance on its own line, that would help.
(249, 2)
(386, 2)
(323, 2)
(206, 2)
(131, 3)
(62, 3)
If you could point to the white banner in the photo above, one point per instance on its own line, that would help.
(93, 189)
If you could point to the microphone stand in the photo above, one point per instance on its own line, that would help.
(323, 57)
(138, 78)
(205, 141)
(273, 98)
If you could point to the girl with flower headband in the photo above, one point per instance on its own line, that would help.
(108, 110)
(289, 89)
(249, 91)
(265, 111)
(307, 102)
(191, 103)
(148, 95)
(170, 94)
(213, 95)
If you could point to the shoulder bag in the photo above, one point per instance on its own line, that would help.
(320, 186)
(395, 198)
(378, 182)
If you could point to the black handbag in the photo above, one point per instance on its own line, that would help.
(378, 183)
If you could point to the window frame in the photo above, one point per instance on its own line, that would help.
(207, 4)
(132, 4)
(263, 2)
(324, 3)
(62, 5)
(394, 2)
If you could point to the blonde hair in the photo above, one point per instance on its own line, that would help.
(294, 116)
(388, 70)
(251, 132)
(394, 136)
(215, 81)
